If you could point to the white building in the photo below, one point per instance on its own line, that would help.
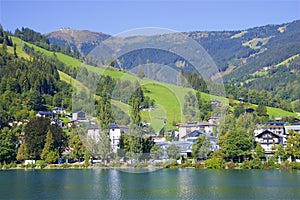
(80, 115)
(93, 133)
(267, 139)
(276, 129)
(189, 127)
(115, 133)
(296, 128)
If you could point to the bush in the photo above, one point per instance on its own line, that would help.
(140, 164)
(32, 166)
(256, 164)
(215, 163)
(230, 165)
(271, 164)
(246, 165)
(40, 163)
(77, 166)
(185, 165)
(170, 164)
(5, 166)
(285, 165)
(199, 165)
(295, 165)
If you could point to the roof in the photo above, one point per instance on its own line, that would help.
(270, 132)
(275, 123)
(270, 126)
(184, 146)
(80, 111)
(195, 133)
(46, 113)
(195, 124)
(93, 127)
(116, 126)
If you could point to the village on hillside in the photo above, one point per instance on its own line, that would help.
(269, 135)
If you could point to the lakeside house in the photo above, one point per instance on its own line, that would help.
(93, 134)
(59, 111)
(273, 133)
(49, 114)
(267, 139)
(115, 132)
(185, 129)
(295, 127)
(79, 116)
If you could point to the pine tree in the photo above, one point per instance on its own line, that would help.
(22, 152)
(293, 144)
(78, 148)
(259, 151)
(7, 145)
(135, 112)
(49, 154)
(104, 146)
(105, 114)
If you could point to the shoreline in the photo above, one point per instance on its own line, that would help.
(198, 166)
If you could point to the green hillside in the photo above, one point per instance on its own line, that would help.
(168, 98)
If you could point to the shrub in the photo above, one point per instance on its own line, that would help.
(230, 165)
(187, 164)
(295, 165)
(256, 164)
(272, 164)
(246, 165)
(170, 164)
(40, 163)
(285, 165)
(32, 166)
(215, 163)
(199, 165)
(140, 164)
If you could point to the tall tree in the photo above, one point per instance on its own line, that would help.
(293, 145)
(22, 152)
(105, 115)
(49, 153)
(156, 152)
(8, 148)
(201, 147)
(104, 146)
(78, 147)
(236, 144)
(135, 112)
(280, 152)
(173, 151)
(259, 151)
(35, 136)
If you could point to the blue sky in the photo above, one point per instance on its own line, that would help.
(114, 16)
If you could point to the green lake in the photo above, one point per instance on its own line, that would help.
(159, 184)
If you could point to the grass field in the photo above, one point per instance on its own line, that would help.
(253, 43)
(168, 98)
(288, 60)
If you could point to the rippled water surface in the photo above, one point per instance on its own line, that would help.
(139, 184)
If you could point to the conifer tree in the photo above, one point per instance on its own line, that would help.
(49, 154)
(22, 152)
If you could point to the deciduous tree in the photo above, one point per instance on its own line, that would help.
(201, 147)
(173, 151)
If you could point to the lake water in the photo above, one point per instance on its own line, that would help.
(160, 184)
